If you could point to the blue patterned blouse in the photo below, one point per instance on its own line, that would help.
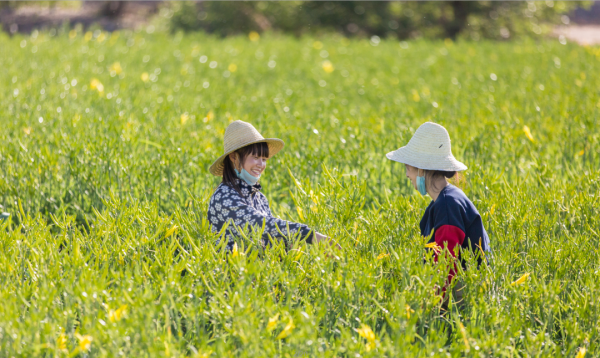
(248, 212)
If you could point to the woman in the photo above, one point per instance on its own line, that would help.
(238, 201)
(451, 216)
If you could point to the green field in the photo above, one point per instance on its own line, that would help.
(105, 141)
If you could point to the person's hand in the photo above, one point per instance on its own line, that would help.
(322, 238)
(319, 237)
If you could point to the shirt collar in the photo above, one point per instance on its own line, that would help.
(246, 188)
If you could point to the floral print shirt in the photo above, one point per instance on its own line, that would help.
(251, 209)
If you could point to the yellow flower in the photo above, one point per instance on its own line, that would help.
(97, 85)
(382, 255)
(300, 214)
(370, 345)
(184, 118)
(116, 315)
(116, 68)
(235, 252)
(232, 67)
(415, 96)
(366, 332)
(72, 34)
(521, 280)
(145, 77)
(463, 333)
(434, 246)
(287, 330)
(210, 116)
(101, 37)
(253, 36)
(298, 255)
(171, 231)
(27, 130)
(581, 152)
(492, 209)
(581, 353)
(85, 342)
(327, 66)
(528, 133)
(317, 45)
(61, 342)
(272, 322)
(409, 311)
(314, 198)
(88, 36)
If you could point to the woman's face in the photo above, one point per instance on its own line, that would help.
(253, 164)
(411, 173)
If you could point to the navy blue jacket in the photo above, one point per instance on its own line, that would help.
(455, 221)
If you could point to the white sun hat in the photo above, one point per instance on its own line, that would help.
(428, 149)
(238, 135)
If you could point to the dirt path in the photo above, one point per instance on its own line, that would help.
(582, 34)
(125, 15)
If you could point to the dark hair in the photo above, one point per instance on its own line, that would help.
(432, 174)
(229, 177)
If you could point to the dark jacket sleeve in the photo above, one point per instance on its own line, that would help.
(236, 211)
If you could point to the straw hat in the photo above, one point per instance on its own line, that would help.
(240, 134)
(428, 149)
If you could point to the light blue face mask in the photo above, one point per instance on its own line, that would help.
(247, 177)
(421, 185)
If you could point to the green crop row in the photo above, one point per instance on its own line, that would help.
(105, 141)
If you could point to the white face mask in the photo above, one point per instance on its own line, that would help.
(247, 177)
(421, 185)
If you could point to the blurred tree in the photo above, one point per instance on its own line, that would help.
(475, 19)
(13, 4)
(112, 8)
(224, 18)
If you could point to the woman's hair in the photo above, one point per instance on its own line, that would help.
(229, 176)
(430, 175)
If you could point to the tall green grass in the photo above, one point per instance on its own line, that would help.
(104, 147)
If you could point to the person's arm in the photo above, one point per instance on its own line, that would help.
(239, 213)
(315, 238)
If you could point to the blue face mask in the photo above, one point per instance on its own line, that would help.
(247, 177)
(421, 185)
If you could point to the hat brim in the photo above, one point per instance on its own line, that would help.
(426, 161)
(275, 145)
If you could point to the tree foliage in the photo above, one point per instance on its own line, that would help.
(474, 19)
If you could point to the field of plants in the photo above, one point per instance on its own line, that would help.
(105, 141)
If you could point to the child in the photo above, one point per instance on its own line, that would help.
(238, 199)
(451, 216)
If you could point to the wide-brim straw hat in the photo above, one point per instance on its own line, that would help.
(238, 135)
(428, 149)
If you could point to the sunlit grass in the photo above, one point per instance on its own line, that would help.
(104, 148)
